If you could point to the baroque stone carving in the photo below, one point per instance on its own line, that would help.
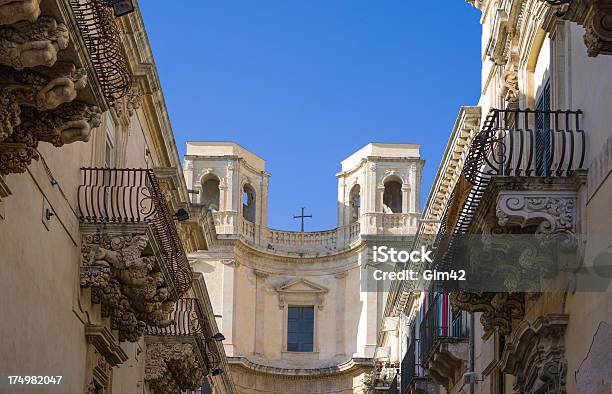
(128, 104)
(535, 354)
(551, 214)
(173, 367)
(12, 11)
(126, 280)
(68, 123)
(510, 87)
(35, 89)
(596, 18)
(26, 44)
(499, 310)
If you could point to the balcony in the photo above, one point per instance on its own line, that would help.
(382, 377)
(55, 81)
(520, 179)
(315, 243)
(393, 389)
(180, 355)
(290, 243)
(444, 342)
(413, 378)
(132, 258)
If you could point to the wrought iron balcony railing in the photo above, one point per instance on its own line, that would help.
(102, 38)
(132, 196)
(526, 143)
(411, 366)
(518, 143)
(441, 321)
(188, 321)
(393, 387)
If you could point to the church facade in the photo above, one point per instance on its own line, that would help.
(294, 307)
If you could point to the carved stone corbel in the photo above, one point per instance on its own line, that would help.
(535, 354)
(68, 123)
(128, 104)
(499, 310)
(12, 11)
(71, 122)
(596, 18)
(551, 214)
(34, 89)
(173, 367)
(126, 281)
(32, 44)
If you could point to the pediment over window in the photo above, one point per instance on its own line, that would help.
(301, 292)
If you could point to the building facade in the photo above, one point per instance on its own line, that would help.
(530, 162)
(295, 307)
(97, 292)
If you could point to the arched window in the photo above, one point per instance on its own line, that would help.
(354, 203)
(248, 203)
(392, 196)
(210, 193)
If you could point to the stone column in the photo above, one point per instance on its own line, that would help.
(188, 173)
(340, 312)
(366, 341)
(230, 266)
(260, 304)
(229, 185)
(406, 199)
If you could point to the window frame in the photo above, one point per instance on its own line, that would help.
(301, 308)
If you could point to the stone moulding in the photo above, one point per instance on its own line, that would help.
(300, 289)
(120, 266)
(172, 367)
(105, 343)
(535, 354)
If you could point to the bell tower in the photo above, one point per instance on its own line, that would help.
(379, 187)
(230, 181)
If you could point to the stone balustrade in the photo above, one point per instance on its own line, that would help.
(315, 242)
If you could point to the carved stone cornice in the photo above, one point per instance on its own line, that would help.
(173, 367)
(535, 354)
(596, 18)
(126, 279)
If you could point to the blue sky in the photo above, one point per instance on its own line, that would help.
(304, 84)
